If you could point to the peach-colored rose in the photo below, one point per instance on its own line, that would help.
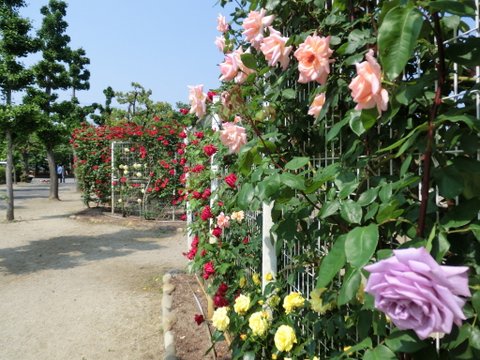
(223, 221)
(366, 87)
(233, 137)
(317, 105)
(274, 49)
(313, 57)
(220, 43)
(222, 24)
(229, 67)
(254, 26)
(233, 68)
(197, 100)
(237, 119)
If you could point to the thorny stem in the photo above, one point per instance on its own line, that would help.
(427, 156)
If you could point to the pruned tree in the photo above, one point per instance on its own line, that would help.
(15, 43)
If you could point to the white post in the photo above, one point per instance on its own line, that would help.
(112, 176)
(269, 257)
(213, 166)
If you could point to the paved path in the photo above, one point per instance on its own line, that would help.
(72, 289)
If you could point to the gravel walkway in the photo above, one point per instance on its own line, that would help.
(75, 289)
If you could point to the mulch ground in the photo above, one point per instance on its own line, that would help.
(192, 341)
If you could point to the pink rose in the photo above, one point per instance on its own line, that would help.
(233, 137)
(417, 293)
(313, 57)
(220, 43)
(317, 105)
(233, 67)
(222, 24)
(366, 87)
(274, 49)
(197, 100)
(223, 221)
(254, 26)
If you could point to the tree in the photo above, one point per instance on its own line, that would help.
(79, 75)
(51, 74)
(15, 43)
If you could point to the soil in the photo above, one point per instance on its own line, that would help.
(80, 283)
(192, 341)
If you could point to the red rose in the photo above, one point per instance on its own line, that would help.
(209, 149)
(199, 135)
(172, 172)
(206, 194)
(183, 217)
(199, 319)
(208, 270)
(220, 301)
(246, 240)
(217, 232)
(206, 213)
(222, 289)
(195, 241)
(182, 135)
(231, 179)
(184, 111)
(211, 94)
(203, 253)
(196, 195)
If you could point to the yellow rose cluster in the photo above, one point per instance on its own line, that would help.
(285, 338)
(220, 318)
(242, 304)
(292, 301)
(258, 322)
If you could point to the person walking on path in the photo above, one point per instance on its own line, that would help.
(61, 173)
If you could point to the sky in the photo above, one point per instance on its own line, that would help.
(165, 45)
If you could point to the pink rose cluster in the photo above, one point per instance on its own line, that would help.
(417, 293)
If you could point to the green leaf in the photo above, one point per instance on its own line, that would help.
(331, 263)
(381, 352)
(355, 123)
(289, 94)
(404, 341)
(333, 132)
(245, 196)
(249, 61)
(464, 51)
(365, 343)
(397, 37)
(360, 245)
(474, 337)
(449, 181)
(329, 208)
(293, 181)
(351, 212)
(476, 301)
(268, 187)
(461, 215)
(297, 163)
(367, 197)
(385, 193)
(350, 286)
(452, 7)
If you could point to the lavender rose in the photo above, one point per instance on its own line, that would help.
(417, 293)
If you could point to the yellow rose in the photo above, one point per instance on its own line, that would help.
(273, 300)
(220, 318)
(268, 277)
(316, 301)
(285, 338)
(242, 282)
(274, 356)
(292, 301)
(256, 279)
(242, 303)
(258, 323)
(238, 216)
(243, 337)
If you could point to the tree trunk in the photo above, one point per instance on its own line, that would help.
(53, 175)
(9, 177)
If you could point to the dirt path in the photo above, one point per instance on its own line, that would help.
(73, 288)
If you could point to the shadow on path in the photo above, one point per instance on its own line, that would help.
(70, 251)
